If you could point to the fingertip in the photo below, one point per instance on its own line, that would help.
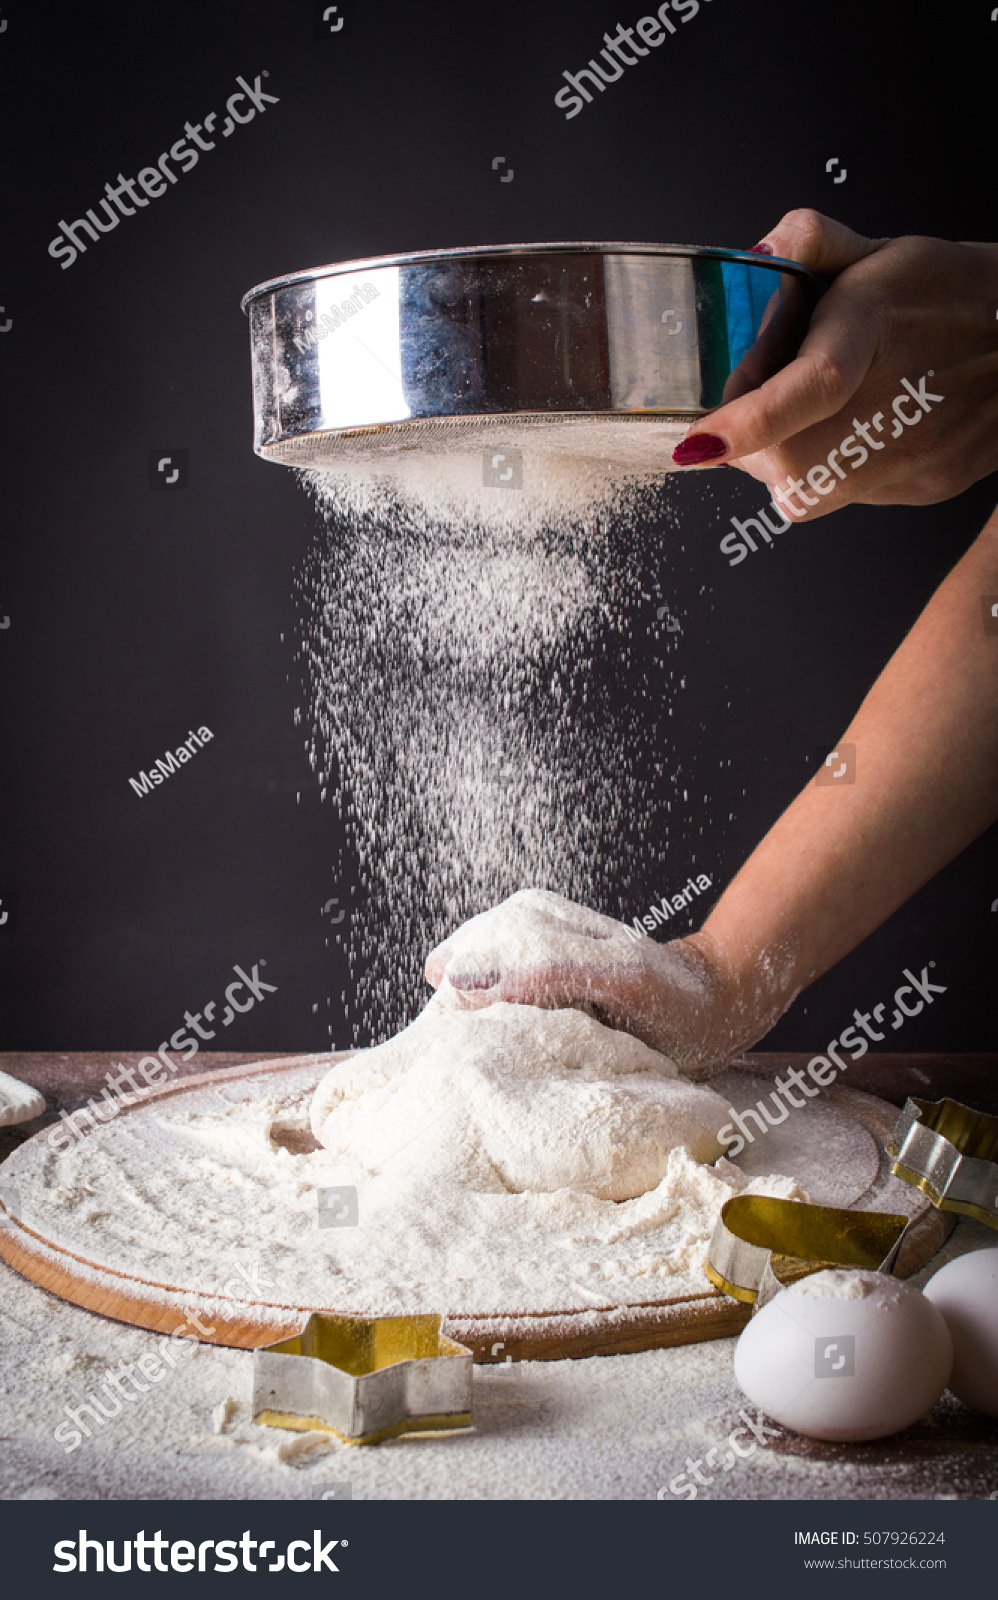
(435, 967)
(819, 242)
(472, 982)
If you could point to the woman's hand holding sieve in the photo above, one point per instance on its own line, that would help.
(897, 312)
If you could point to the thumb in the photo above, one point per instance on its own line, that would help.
(817, 242)
(436, 964)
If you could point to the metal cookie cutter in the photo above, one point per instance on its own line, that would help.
(760, 1244)
(950, 1152)
(364, 1378)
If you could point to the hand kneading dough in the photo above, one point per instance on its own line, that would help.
(552, 1099)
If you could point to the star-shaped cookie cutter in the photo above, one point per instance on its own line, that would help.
(950, 1152)
(364, 1378)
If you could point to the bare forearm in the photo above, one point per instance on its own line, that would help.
(843, 857)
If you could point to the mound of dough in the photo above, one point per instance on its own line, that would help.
(543, 1099)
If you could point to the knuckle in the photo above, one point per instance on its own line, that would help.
(830, 379)
(754, 422)
(937, 483)
(807, 227)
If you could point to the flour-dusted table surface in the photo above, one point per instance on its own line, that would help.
(619, 1427)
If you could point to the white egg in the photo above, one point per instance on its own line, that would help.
(845, 1355)
(966, 1292)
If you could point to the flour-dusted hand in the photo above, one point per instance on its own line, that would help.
(901, 309)
(538, 948)
(533, 927)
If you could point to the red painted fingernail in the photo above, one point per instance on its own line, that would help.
(761, 249)
(697, 448)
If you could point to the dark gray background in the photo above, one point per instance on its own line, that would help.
(137, 615)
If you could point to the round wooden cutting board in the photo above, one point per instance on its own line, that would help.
(835, 1149)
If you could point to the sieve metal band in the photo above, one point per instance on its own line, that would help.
(394, 348)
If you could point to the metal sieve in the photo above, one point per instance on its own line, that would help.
(432, 350)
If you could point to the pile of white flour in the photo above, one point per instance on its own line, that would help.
(194, 1192)
(516, 1135)
(519, 1099)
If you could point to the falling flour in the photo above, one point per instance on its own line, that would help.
(474, 711)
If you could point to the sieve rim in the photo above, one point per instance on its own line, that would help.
(286, 450)
(511, 251)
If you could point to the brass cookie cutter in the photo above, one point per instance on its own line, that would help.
(364, 1378)
(950, 1152)
(760, 1244)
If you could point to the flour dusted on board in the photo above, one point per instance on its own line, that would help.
(204, 1192)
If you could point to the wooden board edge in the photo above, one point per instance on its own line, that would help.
(630, 1330)
(139, 1308)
